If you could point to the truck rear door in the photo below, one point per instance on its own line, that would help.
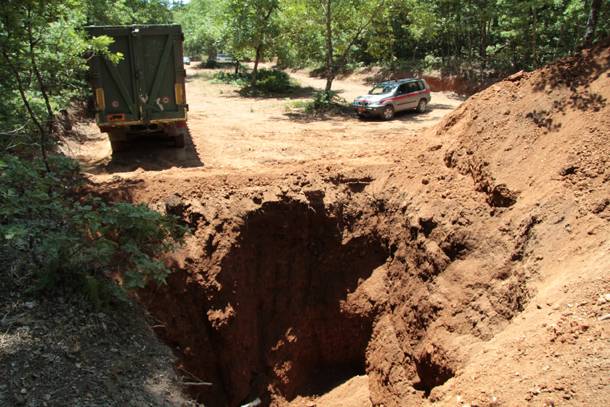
(114, 85)
(147, 85)
(160, 73)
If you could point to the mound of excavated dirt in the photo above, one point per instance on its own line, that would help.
(537, 146)
(474, 271)
(534, 129)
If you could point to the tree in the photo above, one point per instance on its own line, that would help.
(592, 22)
(42, 49)
(343, 22)
(205, 27)
(120, 12)
(252, 28)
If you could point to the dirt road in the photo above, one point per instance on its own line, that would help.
(232, 133)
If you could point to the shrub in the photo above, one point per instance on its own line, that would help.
(327, 102)
(269, 81)
(53, 232)
(231, 78)
(274, 81)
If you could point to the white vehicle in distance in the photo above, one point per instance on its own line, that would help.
(186, 60)
(222, 58)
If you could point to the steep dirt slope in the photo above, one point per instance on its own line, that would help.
(536, 148)
(538, 143)
(472, 271)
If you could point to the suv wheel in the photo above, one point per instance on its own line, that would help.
(388, 112)
(422, 105)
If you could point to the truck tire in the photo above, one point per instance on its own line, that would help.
(117, 146)
(179, 140)
(117, 140)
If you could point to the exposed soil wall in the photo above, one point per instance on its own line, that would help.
(305, 291)
(273, 322)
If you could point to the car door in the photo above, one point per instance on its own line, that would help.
(401, 98)
(413, 92)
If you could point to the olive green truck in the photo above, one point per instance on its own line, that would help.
(144, 93)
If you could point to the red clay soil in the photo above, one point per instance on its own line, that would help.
(473, 270)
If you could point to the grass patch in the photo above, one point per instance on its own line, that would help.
(200, 75)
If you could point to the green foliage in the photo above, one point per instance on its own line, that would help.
(236, 79)
(323, 103)
(41, 52)
(100, 46)
(122, 12)
(325, 32)
(270, 82)
(205, 26)
(252, 25)
(301, 41)
(53, 232)
(245, 29)
(42, 66)
(479, 39)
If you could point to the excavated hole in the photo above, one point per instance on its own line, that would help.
(276, 325)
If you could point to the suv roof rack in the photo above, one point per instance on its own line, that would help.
(404, 80)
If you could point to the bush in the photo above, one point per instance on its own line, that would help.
(274, 81)
(231, 78)
(327, 102)
(269, 82)
(55, 233)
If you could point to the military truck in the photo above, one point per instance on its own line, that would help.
(144, 93)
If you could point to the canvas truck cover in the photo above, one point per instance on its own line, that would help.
(147, 85)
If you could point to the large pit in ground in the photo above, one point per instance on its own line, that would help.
(271, 319)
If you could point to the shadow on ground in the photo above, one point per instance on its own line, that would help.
(150, 153)
(297, 92)
(58, 350)
(346, 113)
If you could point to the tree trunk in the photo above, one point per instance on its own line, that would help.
(330, 72)
(592, 22)
(261, 42)
(41, 84)
(236, 66)
(257, 59)
(43, 91)
(483, 48)
(534, 44)
(28, 107)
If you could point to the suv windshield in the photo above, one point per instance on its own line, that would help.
(381, 89)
